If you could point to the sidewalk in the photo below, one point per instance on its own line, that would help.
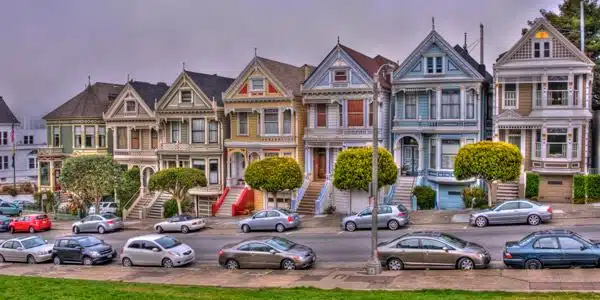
(479, 280)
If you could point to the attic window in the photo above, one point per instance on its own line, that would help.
(130, 106)
(340, 75)
(257, 85)
(434, 65)
(186, 96)
(541, 34)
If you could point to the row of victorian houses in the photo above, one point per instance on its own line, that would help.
(437, 100)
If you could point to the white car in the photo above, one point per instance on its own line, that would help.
(101, 207)
(183, 223)
(109, 207)
(156, 250)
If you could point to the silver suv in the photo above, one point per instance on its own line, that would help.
(389, 216)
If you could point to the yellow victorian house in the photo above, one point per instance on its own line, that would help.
(267, 118)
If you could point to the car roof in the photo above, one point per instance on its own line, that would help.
(22, 238)
(151, 237)
(262, 238)
(424, 234)
(554, 232)
(74, 237)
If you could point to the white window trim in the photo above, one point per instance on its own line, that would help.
(441, 151)
(282, 113)
(416, 107)
(541, 41)
(434, 64)
(34, 163)
(504, 106)
(279, 123)
(181, 97)
(247, 124)
(178, 132)
(432, 142)
(340, 70)
(252, 89)
(545, 142)
(135, 106)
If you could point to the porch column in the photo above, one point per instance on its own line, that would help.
(51, 177)
(96, 137)
(544, 90)
(438, 102)
(580, 91)
(497, 98)
(128, 138)
(262, 122)
(280, 121)
(522, 146)
(206, 130)
(115, 141)
(463, 111)
(307, 160)
(544, 145)
(328, 168)
(189, 133)
(569, 143)
(438, 154)
(570, 88)
(421, 157)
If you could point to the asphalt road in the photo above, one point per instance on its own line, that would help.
(333, 249)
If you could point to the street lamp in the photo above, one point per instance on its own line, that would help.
(374, 266)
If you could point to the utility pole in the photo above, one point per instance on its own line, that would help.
(582, 25)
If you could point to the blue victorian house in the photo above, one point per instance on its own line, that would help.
(441, 100)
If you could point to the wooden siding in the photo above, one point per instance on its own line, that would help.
(528, 150)
(258, 200)
(300, 122)
(447, 201)
(333, 115)
(252, 128)
(552, 191)
(423, 106)
(525, 98)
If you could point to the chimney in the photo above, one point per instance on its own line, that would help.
(307, 70)
(465, 44)
(481, 43)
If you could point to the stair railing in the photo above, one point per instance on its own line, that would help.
(323, 197)
(137, 196)
(238, 207)
(300, 194)
(217, 205)
(151, 202)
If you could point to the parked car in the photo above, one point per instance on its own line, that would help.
(86, 250)
(11, 209)
(552, 248)
(278, 219)
(432, 250)
(31, 223)
(389, 216)
(183, 223)
(4, 223)
(156, 250)
(109, 207)
(513, 212)
(31, 249)
(266, 252)
(98, 223)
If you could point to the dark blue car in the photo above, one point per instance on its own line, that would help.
(552, 248)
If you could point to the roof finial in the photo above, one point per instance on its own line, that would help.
(89, 80)
(433, 23)
(465, 44)
(183, 65)
(255, 52)
(338, 39)
(128, 78)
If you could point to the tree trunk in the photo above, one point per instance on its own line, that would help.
(275, 198)
(350, 204)
(489, 193)
(97, 205)
(179, 206)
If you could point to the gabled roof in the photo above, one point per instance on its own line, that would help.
(288, 75)
(6, 115)
(149, 92)
(211, 85)
(90, 103)
(481, 68)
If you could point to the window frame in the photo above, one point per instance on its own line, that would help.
(181, 97)
(437, 65)
(442, 153)
(270, 112)
(433, 154)
(212, 131)
(212, 161)
(91, 136)
(101, 136)
(77, 138)
(252, 86)
(201, 130)
(3, 137)
(287, 124)
(448, 104)
(175, 138)
(355, 114)
(245, 123)
(29, 163)
(321, 116)
(135, 140)
(343, 73)
(127, 107)
(565, 143)
(410, 97)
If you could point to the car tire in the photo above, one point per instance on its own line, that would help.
(2, 260)
(12, 230)
(288, 264)
(31, 229)
(167, 263)
(31, 260)
(393, 225)
(465, 263)
(395, 264)
(350, 226)
(232, 264)
(245, 228)
(185, 229)
(87, 261)
(533, 264)
(159, 229)
(56, 260)
(126, 262)
(101, 230)
(279, 227)
(76, 230)
(481, 222)
(1, 212)
(534, 220)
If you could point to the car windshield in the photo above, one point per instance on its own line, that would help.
(281, 244)
(89, 241)
(453, 240)
(526, 238)
(285, 211)
(33, 242)
(168, 242)
(41, 217)
(109, 216)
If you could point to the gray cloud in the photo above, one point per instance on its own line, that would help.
(48, 48)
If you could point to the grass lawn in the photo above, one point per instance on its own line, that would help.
(12, 287)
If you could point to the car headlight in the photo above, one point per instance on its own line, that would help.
(174, 253)
(94, 254)
(41, 252)
(481, 255)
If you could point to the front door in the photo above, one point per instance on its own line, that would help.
(410, 157)
(320, 165)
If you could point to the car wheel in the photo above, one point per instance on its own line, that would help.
(126, 262)
(87, 261)
(395, 264)
(393, 225)
(185, 229)
(31, 260)
(245, 228)
(287, 264)
(465, 264)
(533, 264)
(1, 212)
(481, 222)
(350, 226)
(56, 260)
(31, 229)
(232, 264)
(76, 230)
(167, 263)
(101, 229)
(159, 229)
(280, 228)
(533, 220)
(12, 230)
(2, 260)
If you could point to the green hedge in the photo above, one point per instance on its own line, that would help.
(579, 188)
(170, 208)
(533, 185)
(593, 187)
(586, 188)
(475, 192)
(425, 197)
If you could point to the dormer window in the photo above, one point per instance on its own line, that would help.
(434, 65)
(541, 45)
(130, 106)
(186, 96)
(340, 75)
(257, 85)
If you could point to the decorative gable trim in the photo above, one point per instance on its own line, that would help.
(120, 100)
(509, 114)
(337, 58)
(183, 81)
(240, 85)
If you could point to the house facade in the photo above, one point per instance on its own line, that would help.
(338, 97)
(440, 95)
(543, 106)
(264, 109)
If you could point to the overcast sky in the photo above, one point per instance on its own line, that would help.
(48, 48)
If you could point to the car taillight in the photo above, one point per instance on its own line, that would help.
(507, 255)
(290, 219)
(221, 252)
(401, 214)
(110, 222)
(549, 209)
(121, 251)
(196, 223)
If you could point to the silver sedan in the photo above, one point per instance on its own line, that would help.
(30, 249)
(98, 223)
(183, 223)
(272, 219)
(513, 212)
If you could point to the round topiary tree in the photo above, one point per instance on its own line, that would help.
(177, 181)
(273, 175)
(489, 161)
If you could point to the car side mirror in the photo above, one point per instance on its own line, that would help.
(155, 250)
(82, 221)
(272, 251)
(446, 249)
(20, 248)
(45, 241)
(583, 248)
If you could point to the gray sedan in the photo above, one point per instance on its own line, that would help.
(392, 217)
(513, 212)
(278, 219)
(30, 249)
(98, 223)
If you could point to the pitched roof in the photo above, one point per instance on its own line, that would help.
(481, 68)
(90, 103)
(370, 65)
(211, 85)
(6, 115)
(290, 76)
(149, 92)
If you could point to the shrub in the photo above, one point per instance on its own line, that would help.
(10, 190)
(475, 192)
(592, 184)
(425, 197)
(579, 188)
(170, 208)
(533, 185)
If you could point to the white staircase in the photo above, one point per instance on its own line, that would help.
(403, 191)
(507, 191)
(156, 208)
(139, 204)
(232, 195)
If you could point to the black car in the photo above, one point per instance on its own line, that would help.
(86, 250)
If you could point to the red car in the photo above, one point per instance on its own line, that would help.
(31, 223)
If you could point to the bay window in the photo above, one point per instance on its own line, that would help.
(433, 154)
(77, 136)
(321, 115)
(213, 134)
(450, 104)
(213, 166)
(135, 139)
(271, 121)
(287, 122)
(557, 143)
(558, 93)
(356, 113)
(121, 138)
(90, 135)
(198, 131)
(410, 106)
(449, 151)
(242, 123)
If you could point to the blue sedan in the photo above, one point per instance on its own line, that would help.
(552, 248)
